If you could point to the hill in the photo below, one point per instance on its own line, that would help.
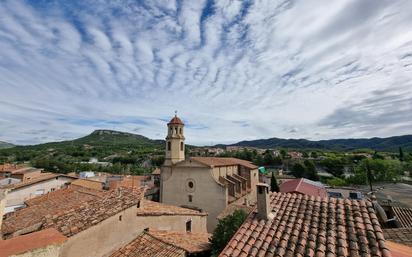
(376, 143)
(4, 145)
(104, 138)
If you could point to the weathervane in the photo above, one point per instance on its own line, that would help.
(175, 113)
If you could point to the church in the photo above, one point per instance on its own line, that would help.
(209, 184)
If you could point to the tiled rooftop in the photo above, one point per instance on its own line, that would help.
(404, 216)
(70, 210)
(399, 235)
(188, 241)
(43, 177)
(164, 243)
(303, 186)
(146, 245)
(310, 226)
(25, 243)
(150, 208)
(224, 161)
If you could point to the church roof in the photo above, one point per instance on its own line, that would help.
(224, 161)
(175, 120)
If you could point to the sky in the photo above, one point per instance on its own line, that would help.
(234, 70)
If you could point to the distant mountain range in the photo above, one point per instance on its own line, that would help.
(375, 143)
(111, 138)
(4, 145)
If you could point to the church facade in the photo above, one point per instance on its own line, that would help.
(209, 184)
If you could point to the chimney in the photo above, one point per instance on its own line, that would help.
(263, 202)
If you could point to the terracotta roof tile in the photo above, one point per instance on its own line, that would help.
(25, 243)
(165, 243)
(175, 120)
(70, 210)
(156, 209)
(305, 225)
(224, 161)
(190, 242)
(146, 245)
(303, 186)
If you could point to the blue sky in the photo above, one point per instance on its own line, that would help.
(234, 70)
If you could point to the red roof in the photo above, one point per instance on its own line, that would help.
(308, 226)
(29, 242)
(176, 120)
(303, 186)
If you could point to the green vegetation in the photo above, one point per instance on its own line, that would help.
(225, 230)
(274, 187)
(123, 153)
(380, 144)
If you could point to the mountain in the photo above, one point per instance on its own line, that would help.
(104, 138)
(4, 145)
(375, 143)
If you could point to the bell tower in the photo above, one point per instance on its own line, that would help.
(175, 141)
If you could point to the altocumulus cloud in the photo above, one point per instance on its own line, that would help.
(234, 69)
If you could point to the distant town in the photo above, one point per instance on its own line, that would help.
(119, 194)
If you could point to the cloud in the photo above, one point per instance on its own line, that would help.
(235, 70)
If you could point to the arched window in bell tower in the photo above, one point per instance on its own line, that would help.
(180, 131)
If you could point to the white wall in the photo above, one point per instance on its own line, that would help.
(16, 197)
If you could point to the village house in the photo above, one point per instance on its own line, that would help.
(22, 191)
(98, 222)
(209, 184)
(285, 224)
(44, 243)
(303, 186)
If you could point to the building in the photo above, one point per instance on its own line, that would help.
(285, 224)
(22, 191)
(303, 186)
(98, 222)
(44, 243)
(20, 172)
(166, 243)
(209, 184)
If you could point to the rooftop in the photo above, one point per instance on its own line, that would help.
(41, 178)
(29, 242)
(305, 225)
(146, 245)
(303, 186)
(69, 210)
(399, 235)
(175, 120)
(165, 243)
(224, 161)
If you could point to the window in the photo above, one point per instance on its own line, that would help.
(181, 146)
(189, 226)
(120, 218)
(169, 146)
(180, 130)
(175, 130)
(138, 204)
(190, 198)
(190, 184)
(52, 189)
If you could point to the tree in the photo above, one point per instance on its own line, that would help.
(298, 170)
(274, 187)
(310, 170)
(225, 229)
(401, 156)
